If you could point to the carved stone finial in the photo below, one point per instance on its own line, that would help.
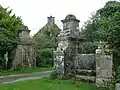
(23, 28)
(100, 48)
(70, 16)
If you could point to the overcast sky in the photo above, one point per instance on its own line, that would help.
(34, 13)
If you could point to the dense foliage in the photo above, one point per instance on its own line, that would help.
(107, 19)
(45, 57)
(9, 25)
(104, 26)
(45, 44)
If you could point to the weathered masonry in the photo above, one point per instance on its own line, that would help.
(24, 54)
(69, 58)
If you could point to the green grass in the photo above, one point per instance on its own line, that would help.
(23, 71)
(48, 84)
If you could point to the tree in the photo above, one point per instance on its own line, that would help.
(106, 15)
(100, 26)
(45, 45)
(90, 28)
(89, 33)
(47, 39)
(114, 32)
(9, 25)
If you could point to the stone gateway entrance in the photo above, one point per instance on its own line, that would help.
(69, 58)
(24, 55)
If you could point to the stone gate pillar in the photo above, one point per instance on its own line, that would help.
(69, 45)
(103, 67)
(24, 53)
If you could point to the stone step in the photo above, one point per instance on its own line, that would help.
(85, 78)
(85, 72)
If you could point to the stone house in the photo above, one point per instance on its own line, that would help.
(50, 24)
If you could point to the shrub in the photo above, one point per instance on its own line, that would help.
(45, 57)
(90, 47)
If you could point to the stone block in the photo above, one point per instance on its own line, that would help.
(86, 61)
(103, 82)
(117, 86)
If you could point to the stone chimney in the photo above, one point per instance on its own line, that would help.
(51, 21)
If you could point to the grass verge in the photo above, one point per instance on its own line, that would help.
(48, 84)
